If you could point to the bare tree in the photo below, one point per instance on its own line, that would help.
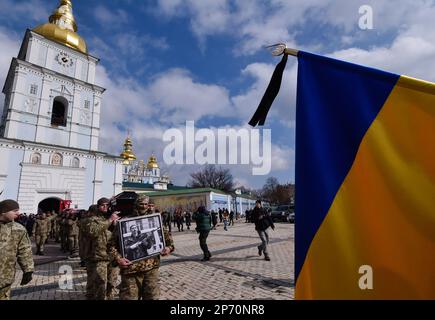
(212, 177)
(277, 193)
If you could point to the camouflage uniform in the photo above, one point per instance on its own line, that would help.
(52, 225)
(97, 231)
(15, 247)
(140, 280)
(57, 222)
(112, 280)
(64, 233)
(84, 241)
(73, 235)
(40, 231)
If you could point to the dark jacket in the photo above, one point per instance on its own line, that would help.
(261, 219)
(203, 219)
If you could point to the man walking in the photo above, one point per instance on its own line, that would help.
(203, 225)
(98, 232)
(262, 223)
(15, 247)
(40, 231)
(140, 279)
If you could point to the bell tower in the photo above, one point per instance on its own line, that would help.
(50, 91)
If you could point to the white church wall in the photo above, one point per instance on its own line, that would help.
(42, 55)
(98, 178)
(89, 163)
(83, 70)
(108, 172)
(34, 52)
(26, 131)
(39, 182)
(118, 178)
(91, 72)
(57, 136)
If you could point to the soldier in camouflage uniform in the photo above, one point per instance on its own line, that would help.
(15, 247)
(97, 230)
(64, 232)
(83, 240)
(84, 251)
(139, 280)
(72, 230)
(57, 222)
(40, 232)
(53, 216)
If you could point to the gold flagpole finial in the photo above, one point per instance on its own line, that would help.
(280, 49)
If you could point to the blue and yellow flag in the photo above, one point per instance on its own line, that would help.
(365, 183)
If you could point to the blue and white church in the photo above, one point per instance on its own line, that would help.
(50, 125)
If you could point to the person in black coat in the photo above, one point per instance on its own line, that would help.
(262, 223)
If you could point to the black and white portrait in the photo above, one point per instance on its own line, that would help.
(141, 237)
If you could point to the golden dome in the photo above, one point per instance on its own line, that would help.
(128, 154)
(152, 163)
(62, 28)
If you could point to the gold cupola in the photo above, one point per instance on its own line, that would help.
(128, 154)
(62, 28)
(152, 163)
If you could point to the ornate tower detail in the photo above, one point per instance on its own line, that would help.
(128, 154)
(50, 90)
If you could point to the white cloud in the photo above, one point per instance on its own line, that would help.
(170, 7)
(411, 52)
(110, 18)
(283, 158)
(257, 23)
(177, 97)
(31, 10)
(135, 45)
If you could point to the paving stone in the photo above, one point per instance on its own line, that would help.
(235, 270)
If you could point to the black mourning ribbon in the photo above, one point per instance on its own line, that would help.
(269, 96)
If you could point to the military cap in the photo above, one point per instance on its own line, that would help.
(8, 205)
(102, 201)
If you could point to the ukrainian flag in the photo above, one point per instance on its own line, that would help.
(365, 183)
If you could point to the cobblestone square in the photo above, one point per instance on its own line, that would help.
(235, 270)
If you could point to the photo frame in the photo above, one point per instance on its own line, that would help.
(141, 237)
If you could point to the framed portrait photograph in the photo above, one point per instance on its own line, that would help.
(141, 237)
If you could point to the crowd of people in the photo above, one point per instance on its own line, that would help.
(178, 218)
(91, 235)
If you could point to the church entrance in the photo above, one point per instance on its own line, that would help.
(50, 204)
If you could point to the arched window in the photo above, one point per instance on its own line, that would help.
(59, 112)
(56, 159)
(35, 158)
(75, 162)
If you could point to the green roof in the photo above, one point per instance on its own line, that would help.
(176, 190)
(184, 191)
(147, 186)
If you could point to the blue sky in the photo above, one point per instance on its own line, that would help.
(167, 61)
